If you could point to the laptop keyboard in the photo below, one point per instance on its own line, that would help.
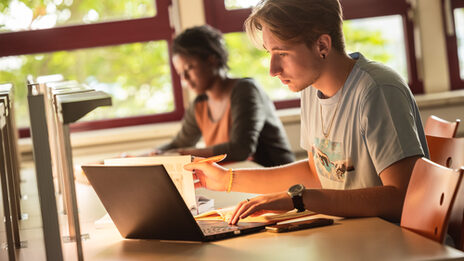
(216, 227)
(209, 230)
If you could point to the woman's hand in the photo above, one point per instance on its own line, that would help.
(211, 175)
(269, 203)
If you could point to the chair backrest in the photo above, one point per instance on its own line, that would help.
(430, 196)
(449, 152)
(436, 126)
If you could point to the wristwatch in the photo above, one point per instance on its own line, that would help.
(296, 193)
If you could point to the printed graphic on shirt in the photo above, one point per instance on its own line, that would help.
(330, 160)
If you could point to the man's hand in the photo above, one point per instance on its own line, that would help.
(269, 203)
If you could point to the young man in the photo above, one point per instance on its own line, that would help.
(359, 122)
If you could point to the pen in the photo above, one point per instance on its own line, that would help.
(212, 159)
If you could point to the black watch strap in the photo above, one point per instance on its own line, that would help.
(298, 203)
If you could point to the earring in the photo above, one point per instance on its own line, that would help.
(323, 56)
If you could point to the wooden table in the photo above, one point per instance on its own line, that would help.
(352, 239)
(348, 239)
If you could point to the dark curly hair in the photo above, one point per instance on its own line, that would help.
(202, 42)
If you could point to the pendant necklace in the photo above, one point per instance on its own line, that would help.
(326, 134)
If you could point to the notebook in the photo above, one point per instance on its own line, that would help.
(144, 203)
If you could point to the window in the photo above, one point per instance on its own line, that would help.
(239, 4)
(380, 39)
(453, 13)
(126, 58)
(135, 75)
(392, 43)
(32, 15)
(395, 37)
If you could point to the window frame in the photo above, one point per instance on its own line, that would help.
(452, 45)
(229, 21)
(65, 38)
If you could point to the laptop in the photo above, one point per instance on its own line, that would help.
(144, 203)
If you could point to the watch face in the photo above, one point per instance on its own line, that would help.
(296, 189)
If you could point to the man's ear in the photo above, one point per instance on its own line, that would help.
(324, 45)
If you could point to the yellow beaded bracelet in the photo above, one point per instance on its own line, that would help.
(231, 179)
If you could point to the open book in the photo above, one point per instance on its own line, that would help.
(174, 165)
(225, 214)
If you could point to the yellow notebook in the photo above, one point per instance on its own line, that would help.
(226, 213)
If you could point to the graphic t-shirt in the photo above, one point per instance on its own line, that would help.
(370, 123)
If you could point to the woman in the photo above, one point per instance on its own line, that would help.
(233, 116)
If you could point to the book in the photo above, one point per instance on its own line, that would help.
(174, 165)
(225, 214)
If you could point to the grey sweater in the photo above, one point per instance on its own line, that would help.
(255, 128)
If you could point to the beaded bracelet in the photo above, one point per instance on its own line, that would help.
(231, 179)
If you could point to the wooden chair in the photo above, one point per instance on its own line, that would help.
(436, 126)
(430, 197)
(449, 152)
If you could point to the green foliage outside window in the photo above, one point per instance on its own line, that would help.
(136, 75)
(459, 22)
(380, 39)
(18, 15)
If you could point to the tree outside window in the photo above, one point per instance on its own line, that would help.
(137, 75)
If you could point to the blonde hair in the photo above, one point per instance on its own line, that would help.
(298, 21)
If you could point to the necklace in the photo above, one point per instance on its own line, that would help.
(326, 134)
